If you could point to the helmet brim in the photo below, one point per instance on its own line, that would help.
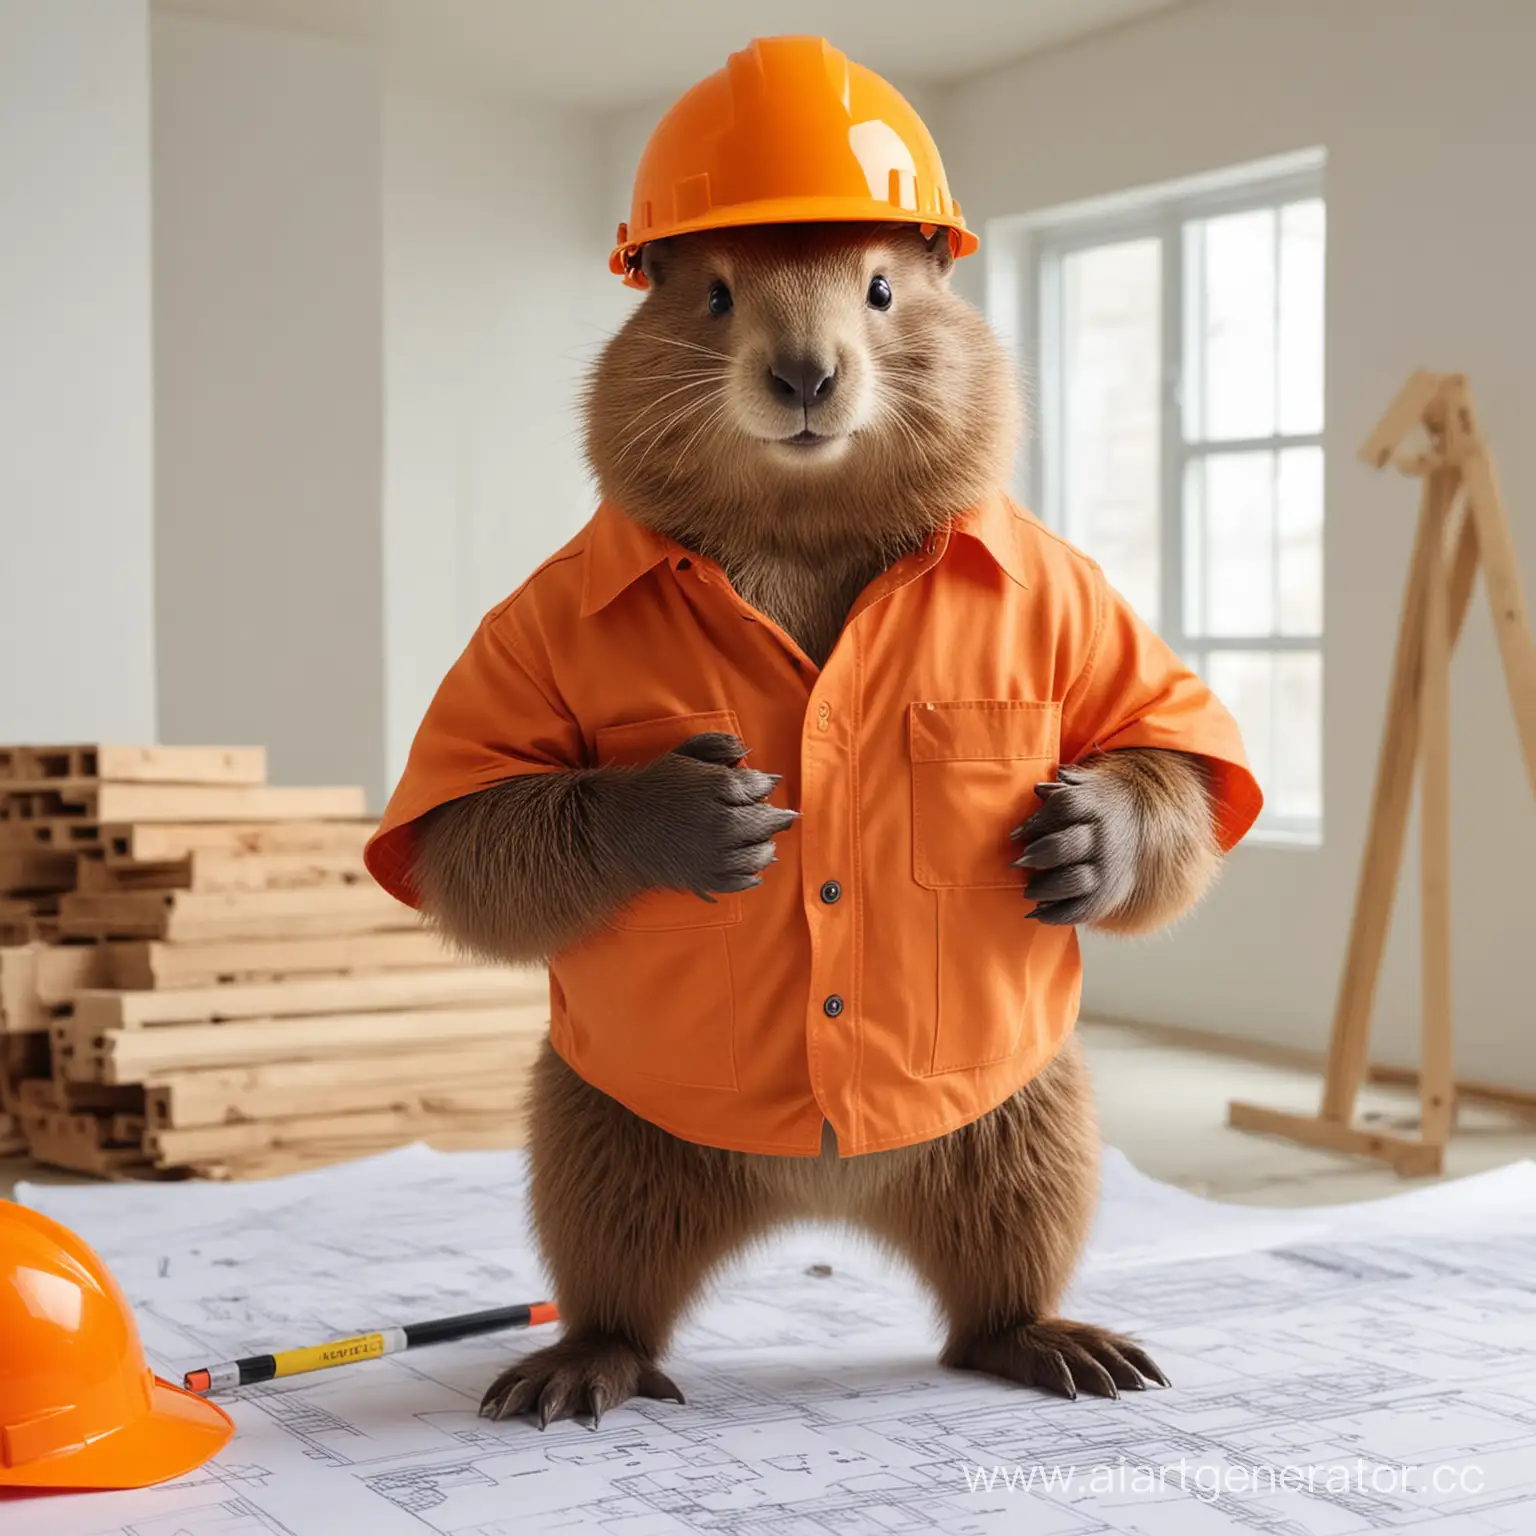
(794, 210)
(179, 1433)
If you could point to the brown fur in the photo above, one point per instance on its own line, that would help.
(679, 425)
(634, 1222)
(686, 431)
(526, 868)
(1176, 857)
(1124, 842)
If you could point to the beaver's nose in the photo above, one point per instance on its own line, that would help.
(803, 381)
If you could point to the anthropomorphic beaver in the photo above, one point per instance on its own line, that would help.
(800, 764)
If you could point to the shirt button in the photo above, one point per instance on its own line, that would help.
(831, 891)
(833, 1006)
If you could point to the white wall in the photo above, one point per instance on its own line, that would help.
(76, 435)
(1429, 123)
(268, 355)
(497, 294)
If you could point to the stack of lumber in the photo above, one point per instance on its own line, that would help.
(198, 977)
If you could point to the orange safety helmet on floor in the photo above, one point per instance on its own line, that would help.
(789, 132)
(79, 1408)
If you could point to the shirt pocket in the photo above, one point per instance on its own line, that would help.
(975, 764)
(643, 741)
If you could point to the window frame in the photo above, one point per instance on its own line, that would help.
(1032, 269)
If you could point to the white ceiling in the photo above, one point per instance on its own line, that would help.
(620, 53)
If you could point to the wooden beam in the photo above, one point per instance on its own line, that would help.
(163, 842)
(1506, 597)
(1520, 1101)
(29, 871)
(136, 965)
(194, 917)
(91, 802)
(1380, 866)
(211, 870)
(1404, 414)
(1409, 1157)
(138, 765)
(496, 1111)
(441, 987)
(270, 1090)
(1437, 1101)
(131, 1056)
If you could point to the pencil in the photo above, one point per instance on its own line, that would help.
(365, 1346)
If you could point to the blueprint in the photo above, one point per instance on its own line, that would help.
(1338, 1370)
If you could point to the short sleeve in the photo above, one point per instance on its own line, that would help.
(1135, 692)
(491, 720)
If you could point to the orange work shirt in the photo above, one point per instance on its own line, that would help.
(883, 976)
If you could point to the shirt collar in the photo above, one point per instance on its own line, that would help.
(621, 550)
(1000, 528)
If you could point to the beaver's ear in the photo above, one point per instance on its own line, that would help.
(656, 261)
(939, 252)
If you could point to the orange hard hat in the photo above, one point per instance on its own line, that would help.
(79, 1408)
(789, 132)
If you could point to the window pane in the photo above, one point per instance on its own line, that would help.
(1300, 553)
(1276, 697)
(1301, 317)
(1230, 288)
(1111, 342)
(1229, 510)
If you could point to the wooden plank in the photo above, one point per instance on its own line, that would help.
(1408, 1157)
(1506, 596)
(270, 1090)
(19, 1008)
(33, 920)
(65, 836)
(1402, 416)
(164, 841)
(161, 965)
(130, 1056)
(63, 969)
(211, 1143)
(192, 916)
(504, 1091)
(91, 802)
(442, 987)
(143, 765)
(1522, 1101)
(26, 871)
(1436, 1097)
(75, 1142)
(23, 1059)
(207, 870)
(1382, 860)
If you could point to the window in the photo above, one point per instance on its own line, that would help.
(1178, 349)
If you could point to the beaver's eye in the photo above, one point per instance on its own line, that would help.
(879, 293)
(719, 299)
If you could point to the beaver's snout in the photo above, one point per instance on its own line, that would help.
(802, 381)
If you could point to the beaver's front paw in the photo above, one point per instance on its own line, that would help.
(1060, 1357)
(585, 1375)
(694, 820)
(1081, 847)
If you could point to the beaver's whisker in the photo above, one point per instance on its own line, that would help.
(713, 416)
(653, 433)
(640, 415)
(692, 346)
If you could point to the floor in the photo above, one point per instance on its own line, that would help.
(1163, 1103)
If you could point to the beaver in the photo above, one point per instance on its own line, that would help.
(804, 406)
